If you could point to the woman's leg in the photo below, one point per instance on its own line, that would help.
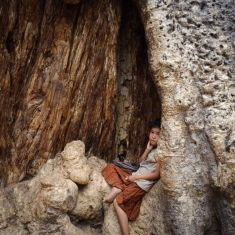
(122, 218)
(113, 193)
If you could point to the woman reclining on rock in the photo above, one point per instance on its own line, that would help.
(129, 188)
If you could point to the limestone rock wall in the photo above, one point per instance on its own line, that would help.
(191, 54)
(48, 203)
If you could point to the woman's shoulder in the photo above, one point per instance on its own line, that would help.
(151, 155)
(152, 152)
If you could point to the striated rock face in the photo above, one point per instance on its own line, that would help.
(75, 74)
(72, 1)
(52, 54)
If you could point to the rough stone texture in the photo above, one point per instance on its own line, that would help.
(49, 202)
(72, 1)
(150, 219)
(133, 104)
(61, 79)
(191, 54)
(110, 225)
(51, 55)
(190, 48)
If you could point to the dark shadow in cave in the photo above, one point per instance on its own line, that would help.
(138, 99)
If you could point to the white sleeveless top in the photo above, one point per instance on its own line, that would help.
(148, 165)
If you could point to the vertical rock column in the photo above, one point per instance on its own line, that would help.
(191, 52)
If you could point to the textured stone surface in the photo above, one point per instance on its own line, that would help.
(72, 1)
(49, 202)
(190, 53)
(133, 104)
(63, 67)
(150, 219)
(52, 54)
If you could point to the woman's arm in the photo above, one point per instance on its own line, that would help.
(151, 176)
(146, 152)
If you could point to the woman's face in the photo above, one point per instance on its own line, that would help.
(154, 136)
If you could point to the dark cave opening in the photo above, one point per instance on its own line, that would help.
(138, 100)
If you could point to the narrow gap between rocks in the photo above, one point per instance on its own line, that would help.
(138, 101)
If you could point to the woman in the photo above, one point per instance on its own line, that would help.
(129, 188)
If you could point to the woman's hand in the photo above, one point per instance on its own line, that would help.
(131, 178)
(149, 146)
(146, 152)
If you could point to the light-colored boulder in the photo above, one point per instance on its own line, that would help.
(47, 203)
(89, 203)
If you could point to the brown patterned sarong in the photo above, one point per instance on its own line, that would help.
(131, 196)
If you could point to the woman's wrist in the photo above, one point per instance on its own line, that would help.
(136, 177)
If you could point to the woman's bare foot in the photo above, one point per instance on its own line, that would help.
(112, 195)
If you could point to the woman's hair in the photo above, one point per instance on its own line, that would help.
(156, 123)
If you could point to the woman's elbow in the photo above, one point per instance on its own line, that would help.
(157, 175)
(157, 172)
